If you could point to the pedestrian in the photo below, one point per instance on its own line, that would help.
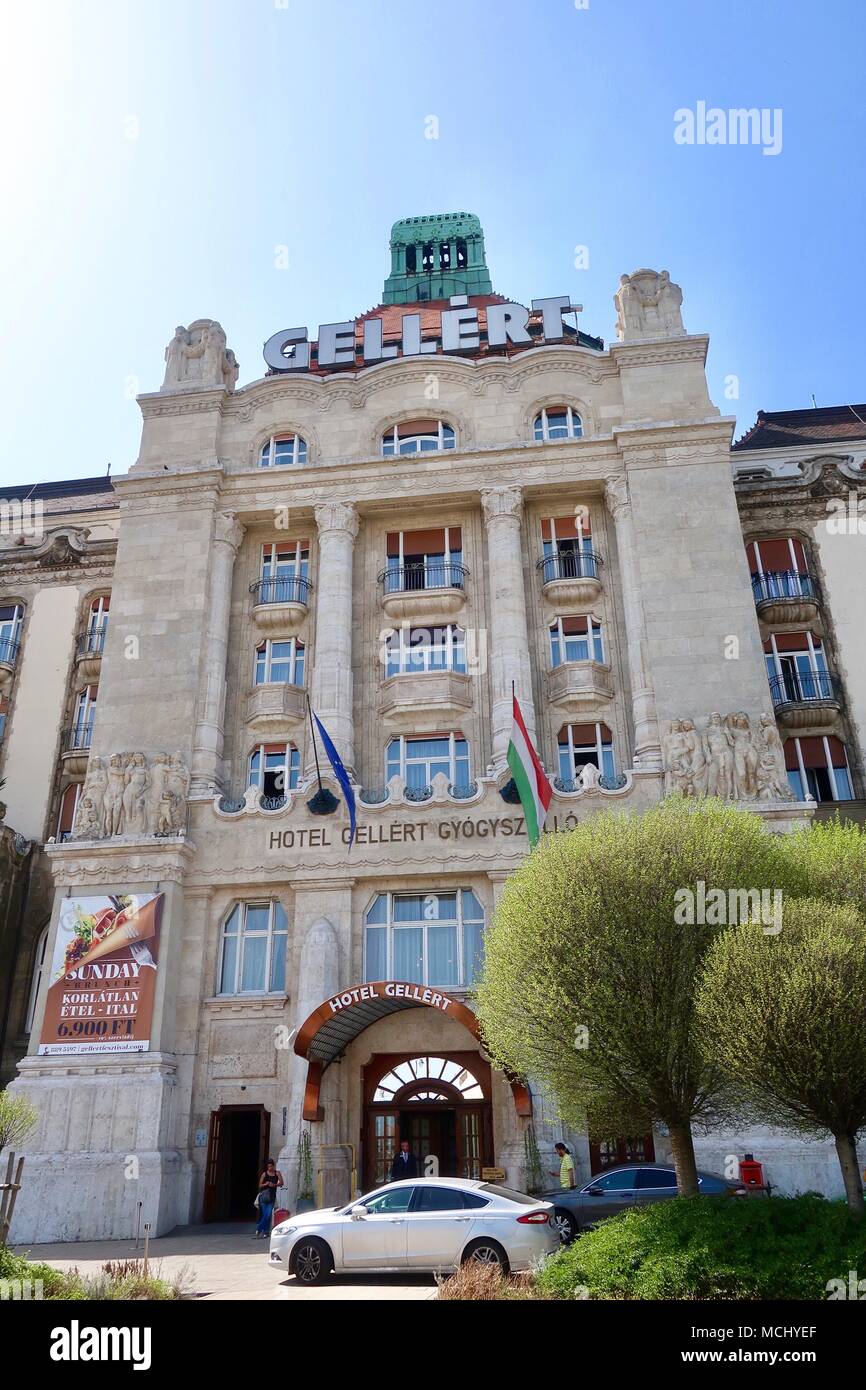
(566, 1166)
(405, 1163)
(269, 1181)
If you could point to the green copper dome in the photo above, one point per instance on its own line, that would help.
(436, 256)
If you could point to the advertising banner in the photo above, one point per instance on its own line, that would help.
(103, 975)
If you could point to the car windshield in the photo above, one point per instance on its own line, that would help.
(510, 1194)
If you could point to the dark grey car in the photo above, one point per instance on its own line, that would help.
(620, 1189)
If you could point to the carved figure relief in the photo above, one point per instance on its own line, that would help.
(648, 305)
(198, 356)
(130, 797)
(728, 759)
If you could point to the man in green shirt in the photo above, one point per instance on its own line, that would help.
(566, 1166)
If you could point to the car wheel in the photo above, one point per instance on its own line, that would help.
(311, 1261)
(564, 1224)
(486, 1252)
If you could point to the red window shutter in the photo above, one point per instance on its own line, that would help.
(412, 427)
(768, 647)
(791, 642)
(68, 804)
(392, 544)
(837, 751)
(775, 555)
(812, 750)
(430, 542)
(791, 762)
(573, 627)
(606, 735)
(274, 748)
(752, 559)
(582, 733)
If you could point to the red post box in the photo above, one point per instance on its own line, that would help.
(751, 1172)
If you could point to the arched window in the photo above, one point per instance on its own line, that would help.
(85, 711)
(428, 1078)
(283, 449)
(36, 980)
(558, 422)
(11, 618)
(92, 641)
(425, 938)
(274, 768)
(253, 949)
(418, 760)
(417, 437)
(580, 744)
(575, 639)
(280, 662)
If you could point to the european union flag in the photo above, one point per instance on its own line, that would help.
(341, 775)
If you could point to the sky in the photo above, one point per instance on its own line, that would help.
(167, 160)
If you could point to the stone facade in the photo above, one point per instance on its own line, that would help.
(186, 549)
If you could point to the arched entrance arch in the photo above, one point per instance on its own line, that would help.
(440, 1100)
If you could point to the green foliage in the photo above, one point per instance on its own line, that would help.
(17, 1118)
(533, 1171)
(785, 1016)
(826, 860)
(117, 1281)
(585, 937)
(714, 1248)
(305, 1167)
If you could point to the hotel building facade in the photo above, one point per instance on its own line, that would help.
(406, 518)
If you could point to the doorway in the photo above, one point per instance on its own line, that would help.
(237, 1153)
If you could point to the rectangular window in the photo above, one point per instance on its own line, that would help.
(576, 639)
(418, 760)
(253, 949)
(818, 766)
(425, 938)
(431, 559)
(580, 744)
(419, 650)
(285, 572)
(279, 662)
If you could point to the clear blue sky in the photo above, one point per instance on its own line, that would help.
(155, 152)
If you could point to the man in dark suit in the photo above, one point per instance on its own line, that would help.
(405, 1164)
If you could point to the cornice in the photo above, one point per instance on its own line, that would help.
(647, 352)
(155, 403)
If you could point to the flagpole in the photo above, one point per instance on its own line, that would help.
(315, 746)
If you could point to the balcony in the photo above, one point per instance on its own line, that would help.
(88, 652)
(806, 701)
(580, 687)
(784, 596)
(570, 576)
(271, 707)
(8, 658)
(427, 592)
(280, 605)
(75, 749)
(425, 695)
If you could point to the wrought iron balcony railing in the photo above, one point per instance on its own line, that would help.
(569, 564)
(433, 574)
(91, 642)
(279, 590)
(77, 738)
(800, 688)
(8, 651)
(779, 584)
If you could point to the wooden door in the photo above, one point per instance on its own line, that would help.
(470, 1141)
(609, 1153)
(212, 1165)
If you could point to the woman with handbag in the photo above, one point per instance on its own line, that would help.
(269, 1181)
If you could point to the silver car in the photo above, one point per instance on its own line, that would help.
(419, 1224)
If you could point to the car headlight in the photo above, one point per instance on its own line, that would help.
(283, 1230)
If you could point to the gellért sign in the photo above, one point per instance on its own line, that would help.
(459, 331)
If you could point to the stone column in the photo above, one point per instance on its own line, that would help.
(318, 978)
(508, 648)
(647, 745)
(208, 741)
(331, 685)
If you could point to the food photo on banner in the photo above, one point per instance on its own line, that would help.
(103, 975)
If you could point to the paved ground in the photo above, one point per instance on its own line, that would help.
(225, 1262)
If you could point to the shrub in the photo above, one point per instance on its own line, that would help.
(117, 1281)
(713, 1248)
(486, 1283)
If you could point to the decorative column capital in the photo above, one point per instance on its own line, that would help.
(227, 528)
(502, 502)
(337, 516)
(616, 495)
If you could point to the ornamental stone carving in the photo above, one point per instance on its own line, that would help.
(128, 796)
(228, 529)
(502, 502)
(648, 305)
(197, 356)
(727, 759)
(336, 516)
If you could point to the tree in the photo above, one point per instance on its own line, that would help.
(17, 1119)
(785, 1017)
(591, 973)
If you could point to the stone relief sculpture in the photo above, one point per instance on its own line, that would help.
(728, 759)
(128, 797)
(198, 356)
(648, 305)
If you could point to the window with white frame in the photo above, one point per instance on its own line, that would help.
(253, 949)
(97, 624)
(430, 559)
(4, 714)
(797, 667)
(280, 662)
(36, 978)
(283, 449)
(558, 422)
(818, 766)
(11, 618)
(580, 744)
(567, 546)
(417, 437)
(285, 571)
(425, 938)
(418, 760)
(779, 569)
(85, 711)
(274, 768)
(575, 639)
(418, 650)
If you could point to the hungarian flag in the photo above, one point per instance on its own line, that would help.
(532, 785)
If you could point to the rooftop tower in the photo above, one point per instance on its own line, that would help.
(436, 256)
